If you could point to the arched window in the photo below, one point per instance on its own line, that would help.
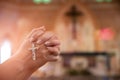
(5, 51)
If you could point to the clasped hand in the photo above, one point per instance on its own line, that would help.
(48, 46)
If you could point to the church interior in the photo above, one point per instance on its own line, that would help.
(88, 29)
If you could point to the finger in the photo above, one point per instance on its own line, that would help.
(45, 37)
(54, 58)
(52, 43)
(34, 30)
(35, 33)
(51, 57)
(53, 51)
(57, 46)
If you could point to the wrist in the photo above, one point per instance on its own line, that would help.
(28, 63)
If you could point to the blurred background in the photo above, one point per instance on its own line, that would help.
(88, 29)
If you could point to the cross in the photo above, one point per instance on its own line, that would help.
(73, 14)
(33, 49)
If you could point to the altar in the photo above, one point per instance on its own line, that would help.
(90, 59)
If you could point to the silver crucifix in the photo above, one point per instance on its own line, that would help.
(33, 49)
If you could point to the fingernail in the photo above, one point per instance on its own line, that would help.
(46, 43)
(39, 41)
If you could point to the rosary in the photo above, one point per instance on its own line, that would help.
(33, 49)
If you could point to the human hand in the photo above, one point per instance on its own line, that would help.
(23, 64)
(47, 43)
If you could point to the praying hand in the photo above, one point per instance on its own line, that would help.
(39, 47)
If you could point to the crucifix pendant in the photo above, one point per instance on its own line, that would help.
(33, 49)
